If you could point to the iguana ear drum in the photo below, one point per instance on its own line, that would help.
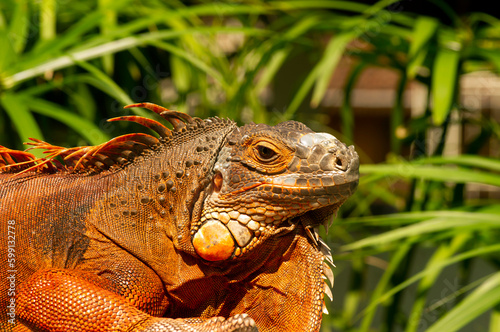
(213, 241)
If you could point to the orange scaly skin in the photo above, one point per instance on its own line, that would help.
(210, 227)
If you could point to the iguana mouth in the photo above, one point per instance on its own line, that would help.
(228, 233)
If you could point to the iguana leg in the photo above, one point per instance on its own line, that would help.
(70, 300)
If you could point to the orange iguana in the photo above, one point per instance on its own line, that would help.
(210, 227)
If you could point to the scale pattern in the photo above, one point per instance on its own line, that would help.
(206, 226)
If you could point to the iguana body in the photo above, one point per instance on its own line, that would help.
(209, 227)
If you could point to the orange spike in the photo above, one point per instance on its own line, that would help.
(162, 111)
(87, 149)
(183, 116)
(38, 166)
(151, 124)
(13, 158)
(80, 157)
(150, 106)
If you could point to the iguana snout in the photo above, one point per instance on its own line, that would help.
(264, 177)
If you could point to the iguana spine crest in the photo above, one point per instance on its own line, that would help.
(93, 159)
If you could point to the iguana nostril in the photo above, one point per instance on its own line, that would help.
(341, 162)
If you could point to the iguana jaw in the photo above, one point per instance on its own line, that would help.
(227, 233)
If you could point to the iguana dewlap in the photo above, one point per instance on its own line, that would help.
(210, 227)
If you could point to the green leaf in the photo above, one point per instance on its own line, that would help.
(495, 319)
(443, 252)
(480, 300)
(106, 84)
(346, 110)
(460, 222)
(444, 174)
(103, 82)
(3, 24)
(193, 60)
(8, 54)
(85, 128)
(181, 75)
(19, 26)
(278, 56)
(463, 160)
(403, 218)
(324, 4)
(114, 46)
(318, 75)
(430, 269)
(444, 81)
(425, 28)
(47, 19)
(492, 55)
(83, 101)
(378, 6)
(395, 261)
(108, 24)
(22, 118)
(13, 37)
(326, 66)
(69, 38)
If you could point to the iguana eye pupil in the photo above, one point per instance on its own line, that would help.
(265, 153)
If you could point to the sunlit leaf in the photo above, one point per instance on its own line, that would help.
(480, 300)
(444, 82)
(107, 24)
(47, 19)
(107, 84)
(464, 221)
(491, 164)
(325, 67)
(447, 174)
(443, 252)
(492, 249)
(19, 26)
(425, 28)
(22, 118)
(196, 62)
(279, 56)
(8, 53)
(85, 128)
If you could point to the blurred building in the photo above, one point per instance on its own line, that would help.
(373, 99)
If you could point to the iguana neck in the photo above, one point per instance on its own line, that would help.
(290, 287)
(285, 277)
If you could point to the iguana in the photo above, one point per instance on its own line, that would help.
(208, 227)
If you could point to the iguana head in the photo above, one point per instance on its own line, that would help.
(266, 176)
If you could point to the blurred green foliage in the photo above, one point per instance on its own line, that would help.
(77, 63)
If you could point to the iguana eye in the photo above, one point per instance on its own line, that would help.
(265, 153)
